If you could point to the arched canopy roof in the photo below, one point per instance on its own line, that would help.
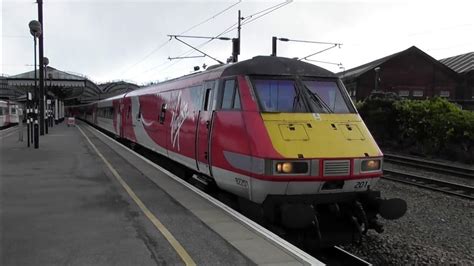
(60, 83)
(113, 88)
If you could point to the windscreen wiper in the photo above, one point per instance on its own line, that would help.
(318, 99)
(297, 98)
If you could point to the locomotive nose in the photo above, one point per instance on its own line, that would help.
(392, 209)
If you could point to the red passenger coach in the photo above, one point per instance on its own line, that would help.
(280, 134)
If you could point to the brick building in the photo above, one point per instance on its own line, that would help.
(464, 65)
(410, 73)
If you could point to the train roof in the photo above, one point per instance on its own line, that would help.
(259, 65)
(272, 65)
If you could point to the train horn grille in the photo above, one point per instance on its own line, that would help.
(336, 167)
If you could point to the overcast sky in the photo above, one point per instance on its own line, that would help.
(121, 39)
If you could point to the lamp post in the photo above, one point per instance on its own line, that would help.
(41, 77)
(35, 30)
(45, 99)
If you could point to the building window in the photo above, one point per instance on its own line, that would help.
(444, 94)
(404, 93)
(417, 93)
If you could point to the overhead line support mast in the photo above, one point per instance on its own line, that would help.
(236, 42)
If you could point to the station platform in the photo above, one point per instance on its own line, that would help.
(83, 199)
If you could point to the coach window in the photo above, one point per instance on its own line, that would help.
(230, 95)
(207, 100)
(196, 96)
(237, 99)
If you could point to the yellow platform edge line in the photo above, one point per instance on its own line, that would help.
(156, 222)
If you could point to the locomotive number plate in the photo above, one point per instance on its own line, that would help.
(361, 185)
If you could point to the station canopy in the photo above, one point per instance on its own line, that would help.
(69, 87)
(110, 89)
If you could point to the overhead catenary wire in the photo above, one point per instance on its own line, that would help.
(185, 31)
(215, 59)
(324, 62)
(146, 56)
(307, 41)
(227, 30)
(250, 19)
(306, 58)
(234, 26)
(219, 13)
(318, 52)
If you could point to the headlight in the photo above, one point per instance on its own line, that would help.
(291, 167)
(370, 165)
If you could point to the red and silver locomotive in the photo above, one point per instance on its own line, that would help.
(280, 134)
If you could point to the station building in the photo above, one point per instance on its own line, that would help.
(411, 74)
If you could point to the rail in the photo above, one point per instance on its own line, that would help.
(338, 256)
(446, 187)
(465, 172)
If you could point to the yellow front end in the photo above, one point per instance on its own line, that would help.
(307, 135)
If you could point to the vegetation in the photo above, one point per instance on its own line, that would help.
(433, 128)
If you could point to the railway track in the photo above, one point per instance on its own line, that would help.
(446, 187)
(439, 167)
(338, 256)
(330, 256)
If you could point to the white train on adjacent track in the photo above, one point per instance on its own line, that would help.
(9, 113)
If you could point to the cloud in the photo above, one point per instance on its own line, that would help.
(108, 40)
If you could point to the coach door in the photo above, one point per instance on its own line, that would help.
(127, 119)
(204, 125)
(117, 104)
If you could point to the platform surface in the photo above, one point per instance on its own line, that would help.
(62, 205)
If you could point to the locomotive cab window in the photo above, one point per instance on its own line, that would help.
(327, 93)
(293, 95)
(278, 95)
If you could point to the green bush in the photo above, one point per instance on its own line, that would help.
(380, 116)
(433, 127)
